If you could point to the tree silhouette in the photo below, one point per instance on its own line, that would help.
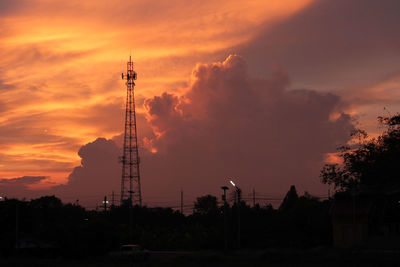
(290, 199)
(207, 204)
(373, 165)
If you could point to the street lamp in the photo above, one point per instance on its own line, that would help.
(238, 194)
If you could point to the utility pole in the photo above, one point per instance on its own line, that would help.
(225, 219)
(181, 201)
(254, 198)
(130, 180)
(112, 199)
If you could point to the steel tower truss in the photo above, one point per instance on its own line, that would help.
(130, 182)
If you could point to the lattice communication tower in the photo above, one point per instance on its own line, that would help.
(130, 182)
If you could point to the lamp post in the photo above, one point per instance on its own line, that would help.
(238, 196)
(225, 220)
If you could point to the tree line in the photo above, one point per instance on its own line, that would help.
(46, 225)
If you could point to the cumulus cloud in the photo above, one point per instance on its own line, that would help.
(97, 175)
(229, 124)
(226, 125)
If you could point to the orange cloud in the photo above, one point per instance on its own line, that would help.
(61, 61)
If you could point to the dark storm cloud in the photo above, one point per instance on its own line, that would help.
(19, 187)
(98, 173)
(228, 124)
(231, 125)
(338, 42)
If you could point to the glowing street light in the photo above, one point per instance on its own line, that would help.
(238, 193)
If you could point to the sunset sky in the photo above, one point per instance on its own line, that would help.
(262, 91)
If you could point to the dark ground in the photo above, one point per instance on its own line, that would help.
(272, 257)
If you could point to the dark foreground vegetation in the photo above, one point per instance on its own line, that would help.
(46, 225)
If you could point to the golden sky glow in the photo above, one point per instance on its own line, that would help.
(261, 90)
(60, 65)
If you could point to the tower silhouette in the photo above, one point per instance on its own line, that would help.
(130, 181)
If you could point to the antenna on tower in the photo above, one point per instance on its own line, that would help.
(130, 180)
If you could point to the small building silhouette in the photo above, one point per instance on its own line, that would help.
(350, 217)
(369, 218)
